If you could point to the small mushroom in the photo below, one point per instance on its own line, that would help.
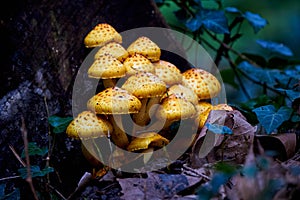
(172, 109)
(137, 63)
(87, 126)
(114, 49)
(107, 68)
(182, 92)
(115, 102)
(146, 47)
(148, 88)
(168, 72)
(203, 83)
(100, 35)
(203, 110)
(147, 140)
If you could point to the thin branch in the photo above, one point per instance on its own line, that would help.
(17, 155)
(29, 178)
(8, 178)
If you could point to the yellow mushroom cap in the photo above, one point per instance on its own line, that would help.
(114, 49)
(146, 47)
(114, 100)
(88, 125)
(106, 67)
(168, 72)
(100, 35)
(147, 140)
(137, 63)
(145, 85)
(222, 106)
(203, 109)
(203, 83)
(174, 108)
(182, 92)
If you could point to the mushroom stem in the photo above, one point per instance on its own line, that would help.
(118, 135)
(107, 83)
(144, 116)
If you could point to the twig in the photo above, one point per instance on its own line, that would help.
(50, 147)
(17, 155)
(57, 192)
(29, 178)
(8, 178)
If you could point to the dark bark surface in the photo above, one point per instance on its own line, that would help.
(41, 51)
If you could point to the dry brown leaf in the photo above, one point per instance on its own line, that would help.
(155, 186)
(214, 147)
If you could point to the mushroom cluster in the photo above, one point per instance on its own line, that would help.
(153, 92)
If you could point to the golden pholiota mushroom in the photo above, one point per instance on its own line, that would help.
(182, 92)
(137, 63)
(203, 110)
(203, 83)
(148, 88)
(168, 72)
(147, 140)
(100, 35)
(173, 109)
(88, 127)
(115, 102)
(146, 47)
(114, 49)
(107, 68)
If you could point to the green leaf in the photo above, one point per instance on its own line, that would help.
(258, 74)
(215, 21)
(275, 47)
(270, 119)
(255, 20)
(232, 10)
(228, 77)
(293, 94)
(33, 149)
(218, 129)
(35, 171)
(11, 196)
(59, 124)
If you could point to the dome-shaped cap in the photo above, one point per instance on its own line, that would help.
(146, 47)
(203, 83)
(182, 92)
(174, 108)
(147, 140)
(114, 49)
(167, 72)
(114, 100)
(137, 63)
(145, 85)
(88, 125)
(106, 67)
(100, 35)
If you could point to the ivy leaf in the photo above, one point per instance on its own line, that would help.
(258, 74)
(275, 47)
(11, 196)
(218, 129)
(59, 124)
(255, 20)
(293, 95)
(232, 10)
(33, 149)
(35, 171)
(270, 119)
(195, 23)
(215, 21)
